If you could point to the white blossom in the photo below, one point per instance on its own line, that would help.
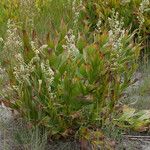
(22, 71)
(12, 43)
(116, 32)
(143, 5)
(76, 8)
(27, 11)
(98, 25)
(124, 2)
(70, 44)
(37, 51)
(48, 75)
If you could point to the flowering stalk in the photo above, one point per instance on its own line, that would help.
(22, 71)
(116, 32)
(70, 44)
(12, 43)
(76, 11)
(143, 5)
(124, 2)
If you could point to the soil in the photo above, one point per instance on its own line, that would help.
(134, 144)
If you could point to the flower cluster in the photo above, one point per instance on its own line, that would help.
(27, 11)
(12, 43)
(116, 32)
(70, 44)
(48, 74)
(49, 77)
(144, 4)
(124, 2)
(76, 11)
(44, 64)
(22, 71)
(37, 51)
(98, 26)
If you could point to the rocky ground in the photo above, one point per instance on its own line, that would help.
(5, 125)
(134, 144)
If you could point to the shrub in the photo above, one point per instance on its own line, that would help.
(72, 81)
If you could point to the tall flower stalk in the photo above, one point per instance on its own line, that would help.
(70, 44)
(116, 32)
(76, 8)
(12, 43)
(143, 5)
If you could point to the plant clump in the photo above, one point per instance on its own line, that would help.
(69, 79)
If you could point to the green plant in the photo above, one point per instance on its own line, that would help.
(135, 14)
(67, 73)
(70, 83)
